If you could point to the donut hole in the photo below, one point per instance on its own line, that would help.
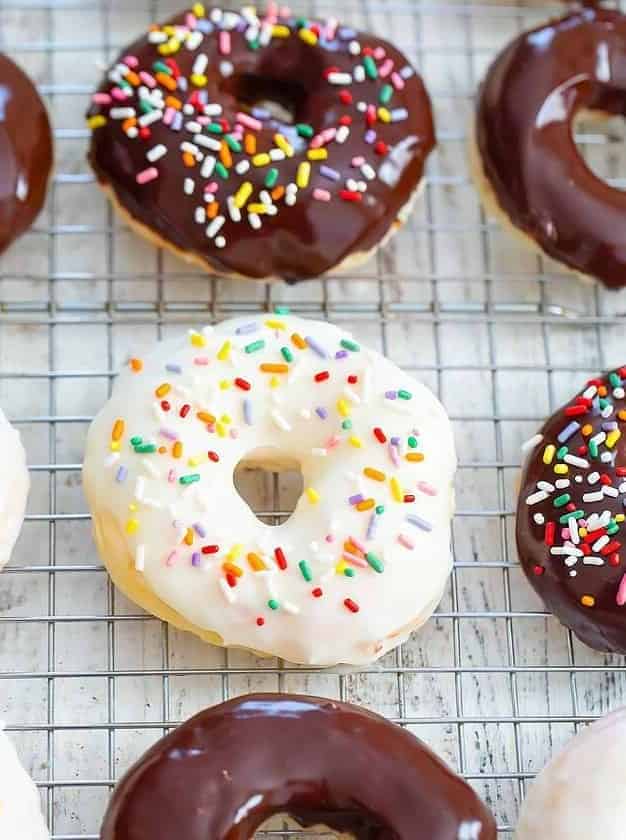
(284, 99)
(600, 138)
(270, 482)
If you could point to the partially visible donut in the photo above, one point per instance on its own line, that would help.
(20, 805)
(226, 771)
(14, 485)
(185, 150)
(365, 556)
(571, 513)
(525, 160)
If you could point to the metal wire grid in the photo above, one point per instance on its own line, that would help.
(492, 683)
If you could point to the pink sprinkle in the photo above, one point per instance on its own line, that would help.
(171, 476)
(565, 533)
(210, 427)
(150, 174)
(119, 95)
(425, 487)
(203, 119)
(393, 454)
(332, 442)
(329, 134)
(171, 559)
(148, 79)
(211, 187)
(285, 11)
(406, 542)
(379, 53)
(101, 99)
(190, 20)
(131, 61)
(201, 360)
(358, 544)
(397, 81)
(357, 161)
(321, 195)
(225, 42)
(620, 598)
(330, 538)
(169, 115)
(317, 142)
(249, 122)
(331, 28)
(234, 434)
(272, 11)
(354, 560)
(385, 68)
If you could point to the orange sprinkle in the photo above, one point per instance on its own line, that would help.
(205, 417)
(352, 549)
(249, 144)
(225, 155)
(277, 193)
(278, 368)
(212, 209)
(163, 390)
(366, 504)
(136, 365)
(621, 414)
(167, 81)
(299, 341)
(588, 601)
(189, 160)
(132, 78)
(177, 449)
(118, 430)
(189, 536)
(256, 564)
(377, 475)
(233, 569)
(162, 450)
(173, 102)
(587, 429)
(416, 457)
(131, 122)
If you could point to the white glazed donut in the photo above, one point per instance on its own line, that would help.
(355, 569)
(580, 794)
(14, 484)
(20, 805)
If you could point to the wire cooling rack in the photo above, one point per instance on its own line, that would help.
(87, 682)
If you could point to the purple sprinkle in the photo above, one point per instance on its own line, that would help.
(316, 347)
(393, 454)
(341, 354)
(177, 122)
(370, 136)
(391, 395)
(242, 25)
(261, 113)
(250, 327)
(346, 34)
(182, 83)
(199, 530)
(196, 558)
(419, 522)
(172, 368)
(321, 412)
(329, 173)
(609, 426)
(121, 474)
(354, 500)
(568, 432)
(595, 405)
(395, 440)
(169, 434)
(371, 527)
(247, 412)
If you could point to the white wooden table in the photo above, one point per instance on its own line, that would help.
(87, 682)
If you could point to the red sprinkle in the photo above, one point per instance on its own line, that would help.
(571, 507)
(280, 558)
(260, 621)
(621, 471)
(592, 536)
(243, 384)
(350, 195)
(345, 120)
(213, 456)
(353, 379)
(586, 549)
(210, 549)
(173, 67)
(317, 592)
(346, 97)
(605, 479)
(321, 376)
(381, 148)
(549, 533)
(614, 560)
(145, 133)
(367, 51)
(165, 405)
(538, 570)
(330, 70)
(185, 410)
(582, 450)
(575, 410)
(409, 497)
(351, 605)
(380, 435)
(231, 580)
(611, 548)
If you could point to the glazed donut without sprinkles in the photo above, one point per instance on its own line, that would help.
(14, 486)
(226, 771)
(20, 805)
(570, 514)
(525, 160)
(364, 558)
(578, 795)
(189, 144)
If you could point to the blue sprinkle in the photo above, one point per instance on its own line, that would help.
(568, 432)
(370, 136)
(419, 522)
(177, 122)
(121, 474)
(250, 327)
(609, 426)
(316, 347)
(261, 113)
(394, 441)
(346, 34)
(329, 173)
(204, 26)
(321, 412)
(172, 368)
(371, 527)
(247, 412)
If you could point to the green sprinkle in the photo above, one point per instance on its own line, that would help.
(371, 71)
(603, 402)
(145, 107)
(214, 128)
(562, 452)
(301, 22)
(346, 424)
(386, 92)
(233, 145)
(135, 441)
(380, 509)
(350, 345)
(305, 569)
(615, 380)
(593, 449)
(189, 479)
(161, 67)
(561, 500)
(286, 354)
(612, 528)
(145, 448)
(281, 310)
(221, 170)
(254, 44)
(349, 571)
(273, 604)
(405, 395)
(304, 130)
(256, 345)
(374, 562)
(576, 514)
(271, 178)
(412, 442)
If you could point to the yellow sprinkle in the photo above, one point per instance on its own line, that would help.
(366, 504)
(256, 563)
(196, 460)
(168, 29)
(132, 507)
(243, 194)
(115, 446)
(588, 601)
(261, 159)
(198, 10)
(224, 351)
(341, 567)
(221, 431)
(343, 408)
(281, 32)
(308, 37)
(396, 490)
(303, 174)
(226, 418)
(197, 339)
(377, 475)
(235, 552)
(356, 441)
(163, 390)
(415, 457)
(257, 208)
(312, 495)
(582, 532)
(198, 80)
(132, 526)
(224, 385)
(549, 453)
(317, 154)
(384, 115)
(274, 382)
(619, 518)
(561, 469)
(284, 145)
(118, 430)
(275, 325)
(612, 438)
(97, 122)
(189, 537)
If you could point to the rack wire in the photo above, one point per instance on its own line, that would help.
(493, 683)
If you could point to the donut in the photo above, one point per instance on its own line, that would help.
(20, 805)
(524, 157)
(365, 556)
(577, 796)
(261, 146)
(25, 152)
(570, 514)
(14, 486)
(226, 771)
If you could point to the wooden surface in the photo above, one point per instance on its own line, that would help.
(493, 684)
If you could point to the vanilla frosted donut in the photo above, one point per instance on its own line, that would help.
(20, 805)
(365, 556)
(14, 484)
(580, 794)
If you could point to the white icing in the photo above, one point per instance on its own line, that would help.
(14, 484)
(579, 795)
(307, 629)
(20, 804)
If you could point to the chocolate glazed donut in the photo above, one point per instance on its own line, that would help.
(570, 515)
(524, 136)
(222, 774)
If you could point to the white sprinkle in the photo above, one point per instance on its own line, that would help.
(600, 543)
(566, 550)
(220, 242)
(189, 186)
(255, 221)
(149, 118)
(562, 483)
(208, 142)
(359, 73)
(132, 132)
(593, 497)
(200, 215)
(593, 478)
(140, 487)
(607, 411)
(208, 166)
(611, 491)
(399, 114)
(194, 39)
(226, 69)
(407, 71)
(593, 561)
(229, 592)
(157, 37)
(354, 48)
(545, 485)
(606, 457)
(265, 197)
(575, 461)
(570, 561)
(186, 146)
(212, 110)
(343, 132)
(572, 526)
(234, 211)
(150, 468)
(215, 226)
(193, 127)
(111, 459)
(242, 167)
(121, 113)
(339, 78)
(277, 154)
(290, 608)
(532, 442)
(200, 64)
(352, 395)
(535, 498)
(619, 393)
(539, 518)
(140, 558)
(368, 172)
(280, 421)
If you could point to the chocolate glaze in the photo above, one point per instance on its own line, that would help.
(526, 107)
(222, 774)
(313, 236)
(25, 152)
(603, 625)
